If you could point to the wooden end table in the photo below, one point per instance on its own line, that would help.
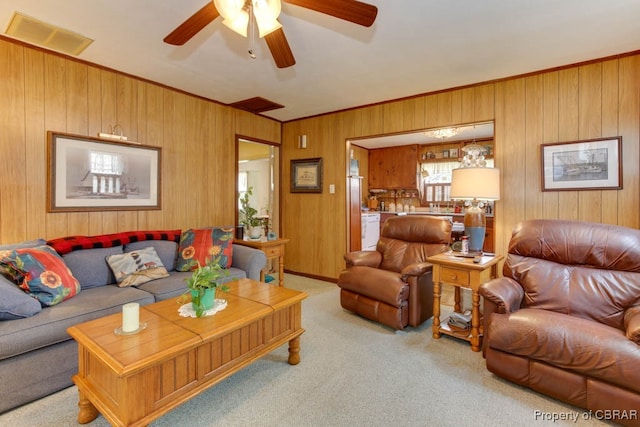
(462, 273)
(273, 249)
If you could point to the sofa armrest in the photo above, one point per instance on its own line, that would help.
(416, 269)
(251, 260)
(632, 324)
(505, 293)
(363, 258)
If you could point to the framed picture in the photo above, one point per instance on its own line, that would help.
(93, 174)
(593, 164)
(445, 154)
(306, 175)
(453, 153)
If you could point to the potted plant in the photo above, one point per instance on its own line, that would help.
(203, 284)
(249, 219)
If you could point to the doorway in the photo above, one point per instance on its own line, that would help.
(259, 170)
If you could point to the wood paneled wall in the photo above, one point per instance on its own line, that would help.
(599, 99)
(41, 91)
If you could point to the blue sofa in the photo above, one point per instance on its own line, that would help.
(38, 357)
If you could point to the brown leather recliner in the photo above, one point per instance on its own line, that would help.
(565, 318)
(393, 285)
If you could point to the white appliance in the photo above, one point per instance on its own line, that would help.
(370, 231)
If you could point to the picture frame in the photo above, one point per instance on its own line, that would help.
(592, 164)
(453, 153)
(306, 175)
(94, 174)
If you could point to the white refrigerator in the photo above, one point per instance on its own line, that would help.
(370, 230)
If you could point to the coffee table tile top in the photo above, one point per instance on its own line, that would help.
(267, 295)
(244, 312)
(130, 353)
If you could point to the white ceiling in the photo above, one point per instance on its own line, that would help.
(414, 47)
(467, 133)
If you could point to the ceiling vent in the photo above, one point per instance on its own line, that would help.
(256, 105)
(30, 30)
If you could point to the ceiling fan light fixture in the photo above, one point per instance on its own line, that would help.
(266, 13)
(238, 23)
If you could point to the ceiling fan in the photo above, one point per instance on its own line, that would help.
(349, 10)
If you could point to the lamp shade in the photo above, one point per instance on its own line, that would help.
(475, 183)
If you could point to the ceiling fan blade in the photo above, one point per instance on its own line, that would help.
(280, 50)
(350, 10)
(193, 25)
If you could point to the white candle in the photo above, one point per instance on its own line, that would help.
(130, 317)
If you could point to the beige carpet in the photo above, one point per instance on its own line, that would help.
(353, 372)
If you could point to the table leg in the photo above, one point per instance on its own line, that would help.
(294, 351)
(456, 298)
(87, 412)
(436, 310)
(475, 321)
(281, 270)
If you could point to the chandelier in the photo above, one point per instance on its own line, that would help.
(238, 13)
(473, 156)
(444, 132)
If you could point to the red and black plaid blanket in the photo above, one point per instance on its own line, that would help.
(64, 245)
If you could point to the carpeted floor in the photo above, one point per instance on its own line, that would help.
(353, 372)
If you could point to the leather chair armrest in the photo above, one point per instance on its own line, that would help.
(363, 258)
(505, 293)
(417, 269)
(632, 324)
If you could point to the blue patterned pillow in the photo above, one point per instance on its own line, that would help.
(40, 272)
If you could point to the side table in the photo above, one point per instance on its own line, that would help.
(273, 249)
(461, 272)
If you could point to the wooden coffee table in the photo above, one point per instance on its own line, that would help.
(134, 379)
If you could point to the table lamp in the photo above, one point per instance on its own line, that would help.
(475, 184)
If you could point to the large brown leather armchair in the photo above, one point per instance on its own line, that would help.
(393, 285)
(564, 319)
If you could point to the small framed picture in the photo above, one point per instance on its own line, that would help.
(453, 153)
(306, 175)
(445, 154)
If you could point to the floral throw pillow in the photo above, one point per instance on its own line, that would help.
(41, 273)
(204, 246)
(137, 267)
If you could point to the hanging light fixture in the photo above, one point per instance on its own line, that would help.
(236, 14)
(444, 133)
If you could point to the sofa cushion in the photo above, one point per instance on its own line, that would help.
(174, 285)
(167, 250)
(90, 267)
(136, 267)
(584, 346)
(204, 245)
(14, 303)
(50, 325)
(42, 273)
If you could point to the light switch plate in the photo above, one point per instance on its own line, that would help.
(332, 189)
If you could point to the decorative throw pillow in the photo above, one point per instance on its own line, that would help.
(137, 267)
(40, 272)
(204, 246)
(14, 303)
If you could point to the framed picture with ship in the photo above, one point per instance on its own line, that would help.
(93, 174)
(593, 164)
